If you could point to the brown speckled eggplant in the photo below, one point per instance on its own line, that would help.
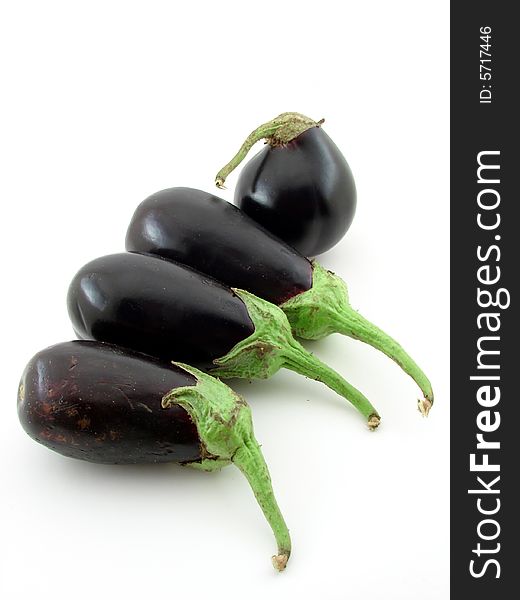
(100, 403)
(104, 404)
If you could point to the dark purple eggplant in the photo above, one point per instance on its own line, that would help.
(213, 236)
(172, 312)
(100, 403)
(299, 187)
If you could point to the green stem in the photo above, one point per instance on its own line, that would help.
(225, 428)
(325, 309)
(304, 363)
(279, 131)
(250, 461)
(350, 322)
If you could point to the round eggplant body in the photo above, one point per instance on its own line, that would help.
(304, 192)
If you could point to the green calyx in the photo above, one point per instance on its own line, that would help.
(272, 346)
(225, 428)
(325, 309)
(216, 410)
(260, 355)
(279, 131)
(309, 313)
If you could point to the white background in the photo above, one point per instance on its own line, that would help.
(104, 103)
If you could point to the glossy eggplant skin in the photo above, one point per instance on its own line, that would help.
(102, 404)
(303, 192)
(157, 307)
(213, 236)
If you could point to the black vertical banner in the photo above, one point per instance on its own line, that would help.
(485, 329)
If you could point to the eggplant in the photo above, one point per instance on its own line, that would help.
(172, 312)
(213, 236)
(105, 404)
(299, 186)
